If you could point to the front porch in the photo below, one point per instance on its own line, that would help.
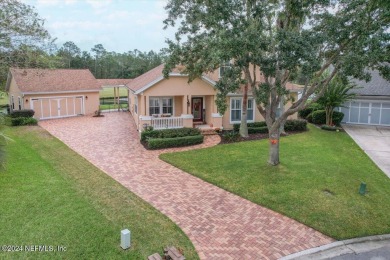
(179, 111)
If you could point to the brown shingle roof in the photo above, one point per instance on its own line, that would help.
(54, 80)
(155, 74)
(113, 82)
(146, 78)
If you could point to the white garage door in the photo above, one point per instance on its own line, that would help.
(366, 112)
(57, 107)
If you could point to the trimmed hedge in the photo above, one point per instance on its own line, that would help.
(319, 117)
(19, 121)
(236, 127)
(22, 113)
(258, 130)
(261, 127)
(169, 133)
(159, 143)
(295, 125)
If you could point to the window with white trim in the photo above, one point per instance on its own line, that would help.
(236, 109)
(12, 102)
(136, 104)
(154, 106)
(160, 105)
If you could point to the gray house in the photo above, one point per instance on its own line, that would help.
(372, 103)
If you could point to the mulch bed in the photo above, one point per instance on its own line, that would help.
(252, 137)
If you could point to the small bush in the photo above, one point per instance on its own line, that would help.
(236, 127)
(319, 117)
(337, 117)
(169, 133)
(309, 109)
(295, 125)
(258, 130)
(309, 118)
(19, 121)
(231, 136)
(22, 113)
(159, 143)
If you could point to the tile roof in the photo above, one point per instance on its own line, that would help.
(377, 86)
(54, 80)
(113, 82)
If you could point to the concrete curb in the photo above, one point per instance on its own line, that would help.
(335, 245)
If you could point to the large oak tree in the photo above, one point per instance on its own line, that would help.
(282, 39)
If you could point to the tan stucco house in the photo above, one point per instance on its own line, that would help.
(174, 103)
(53, 93)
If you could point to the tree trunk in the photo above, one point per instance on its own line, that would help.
(244, 109)
(274, 137)
(327, 115)
(281, 129)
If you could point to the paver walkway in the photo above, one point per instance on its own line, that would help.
(221, 225)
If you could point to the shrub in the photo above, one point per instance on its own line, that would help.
(22, 113)
(158, 143)
(231, 136)
(337, 117)
(295, 125)
(169, 133)
(309, 118)
(319, 117)
(257, 130)
(309, 109)
(261, 127)
(236, 127)
(18, 121)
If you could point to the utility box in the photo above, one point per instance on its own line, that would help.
(125, 238)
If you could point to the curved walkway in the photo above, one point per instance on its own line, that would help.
(220, 224)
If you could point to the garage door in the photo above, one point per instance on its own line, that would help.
(57, 107)
(366, 112)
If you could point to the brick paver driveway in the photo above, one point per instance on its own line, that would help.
(220, 225)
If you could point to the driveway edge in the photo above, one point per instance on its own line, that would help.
(342, 245)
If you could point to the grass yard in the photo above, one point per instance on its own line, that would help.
(3, 99)
(112, 106)
(109, 92)
(316, 183)
(51, 196)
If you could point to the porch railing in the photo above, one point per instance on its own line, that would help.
(167, 122)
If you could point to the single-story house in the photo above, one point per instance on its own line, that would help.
(53, 93)
(371, 105)
(174, 102)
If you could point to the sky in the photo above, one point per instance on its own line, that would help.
(119, 25)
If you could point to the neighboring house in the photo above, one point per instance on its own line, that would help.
(174, 103)
(53, 93)
(372, 103)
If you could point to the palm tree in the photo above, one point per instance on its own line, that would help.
(337, 93)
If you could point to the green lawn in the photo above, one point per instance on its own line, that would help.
(52, 196)
(4, 99)
(109, 92)
(316, 183)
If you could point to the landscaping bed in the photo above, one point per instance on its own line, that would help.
(259, 130)
(167, 138)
